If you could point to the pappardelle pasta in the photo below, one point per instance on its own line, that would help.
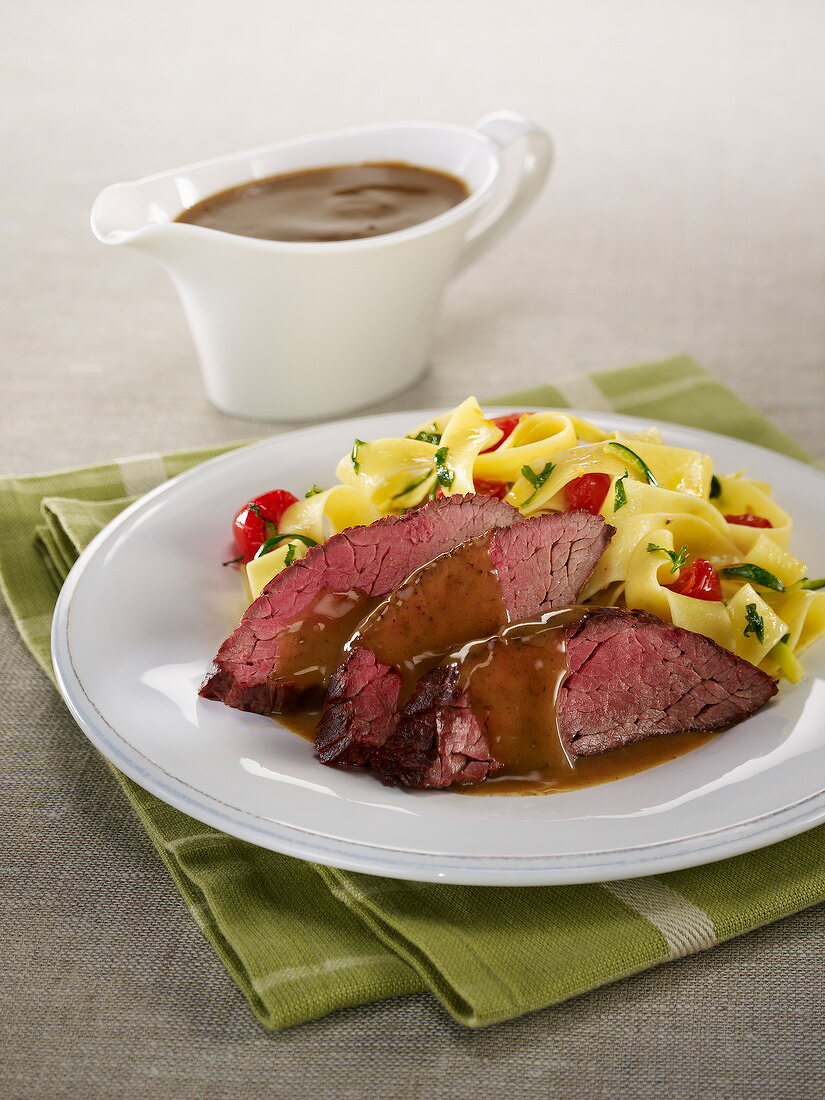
(705, 551)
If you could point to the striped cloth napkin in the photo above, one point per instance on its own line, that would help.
(302, 940)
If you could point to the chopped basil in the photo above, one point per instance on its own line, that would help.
(233, 561)
(638, 463)
(754, 573)
(444, 474)
(536, 480)
(312, 491)
(289, 557)
(677, 557)
(413, 485)
(621, 496)
(270, 544)
(253, 507)
(756, 624)
(433, 437)
(715, 487)
(356, 465)
(812, 585)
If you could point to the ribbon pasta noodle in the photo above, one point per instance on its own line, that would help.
(669, 507)
(649, 574)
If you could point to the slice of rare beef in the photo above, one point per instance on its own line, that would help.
(505, 575)
(439, 741)
(603, 679)
(632, 676)
(291, 638)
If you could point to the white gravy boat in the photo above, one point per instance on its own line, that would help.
(298, 330)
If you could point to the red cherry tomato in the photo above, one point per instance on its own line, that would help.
(748, 520)
(508, 426)
(249, 526)
(587, 493)
(699, 580)
(498, 489)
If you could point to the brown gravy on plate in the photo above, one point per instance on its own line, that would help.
(517, 690)
(340, 203)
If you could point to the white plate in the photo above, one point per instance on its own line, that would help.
(147, 605)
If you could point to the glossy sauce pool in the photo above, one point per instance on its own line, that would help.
(340, 203)
(556, 774)
(562, 774)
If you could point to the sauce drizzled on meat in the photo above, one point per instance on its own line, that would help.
(476, 609)
(491, 710)
(512, 681)
(512, 678)
(311, 648)
(514, 687)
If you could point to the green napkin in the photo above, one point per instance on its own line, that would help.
(301, 940)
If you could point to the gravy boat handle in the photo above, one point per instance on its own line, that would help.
(504, 129)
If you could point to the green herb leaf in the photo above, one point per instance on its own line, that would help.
(291, 551)
(756, 624)
(812, 585)
(233, 561)
(276, 540)
(536, 479)
(445, 475)
(715, 487)
(356, 465)
(754, 573)
(620, 495)
(636, 461)
(414, 485)
(312, 491)
(433, 437)
(255, 510)
(677, 557)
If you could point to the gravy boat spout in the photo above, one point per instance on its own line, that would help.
(132, 214)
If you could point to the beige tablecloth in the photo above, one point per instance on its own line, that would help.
(685, 213)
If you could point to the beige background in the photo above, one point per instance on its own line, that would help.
(686, 213)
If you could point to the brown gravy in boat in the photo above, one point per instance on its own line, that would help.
(339, 203)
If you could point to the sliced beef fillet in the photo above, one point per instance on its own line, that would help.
(632, 676)
(440, 740)
(505, 575)
(590, 682)
(292, 636)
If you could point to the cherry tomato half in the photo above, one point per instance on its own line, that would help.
(699, 580)
(508, 426)
(498, 489)
(748, 520)
(587, 493)
(249, 526)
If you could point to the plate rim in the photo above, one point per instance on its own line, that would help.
(657, 857)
